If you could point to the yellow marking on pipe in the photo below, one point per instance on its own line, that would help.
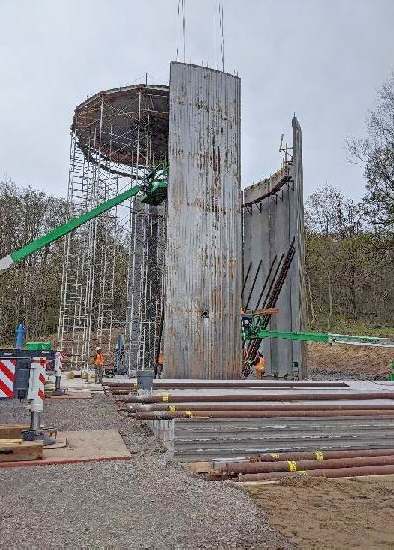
(166, 396)
(172, 408)
(319, 455)
(275, 456)
(188, 414)
(292, 464)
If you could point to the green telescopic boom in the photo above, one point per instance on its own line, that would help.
(326, 337)
(62, 230)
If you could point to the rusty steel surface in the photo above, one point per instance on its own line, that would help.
(386, 469)
(201, 384)
(316, 455)
(256, 407)
(130, 101)
(203, 260)
(235, 439)
(294, 465)
(171, 398)
(192, 413)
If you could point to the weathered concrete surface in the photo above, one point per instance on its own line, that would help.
(274, 216)
(204, 249)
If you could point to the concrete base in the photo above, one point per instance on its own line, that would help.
(89, 446)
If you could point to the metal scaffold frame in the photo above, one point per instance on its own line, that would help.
(117, 137)
(145, 284)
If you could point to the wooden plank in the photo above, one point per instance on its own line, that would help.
(84, 446)
(26, 450)
(12, 431)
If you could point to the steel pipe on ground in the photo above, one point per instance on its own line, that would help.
(324, 472)
(168, 398)
(254, 384)
(293, 465)
(140, 407)
(167, 415)
(305, 455)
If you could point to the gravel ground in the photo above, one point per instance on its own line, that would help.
(338, 362)
(147, 502)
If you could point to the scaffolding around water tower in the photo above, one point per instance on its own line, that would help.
(117, 137)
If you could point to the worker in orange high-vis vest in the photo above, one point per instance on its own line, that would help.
(98, 361)
(158, 367)
(260, 366)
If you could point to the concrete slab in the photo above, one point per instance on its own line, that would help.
(83, 446)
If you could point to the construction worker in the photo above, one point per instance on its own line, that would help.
(98, 361)
(59, 358)
(260, 366)
(158, 368)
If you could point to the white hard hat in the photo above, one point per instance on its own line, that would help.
(98, 348)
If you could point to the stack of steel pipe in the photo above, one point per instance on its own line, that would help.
(153, 407)
(257, 397)
(257, 405)
(333, 464)
(124, 388)
(215, 420)
(169, 415)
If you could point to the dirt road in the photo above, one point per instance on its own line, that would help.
(351, 362)
(331, 514)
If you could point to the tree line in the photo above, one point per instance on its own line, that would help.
(30, 291)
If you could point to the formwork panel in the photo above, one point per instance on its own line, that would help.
(269, 227)
(203, 258)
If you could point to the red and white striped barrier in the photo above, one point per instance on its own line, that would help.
(36, 393)
(7, 377)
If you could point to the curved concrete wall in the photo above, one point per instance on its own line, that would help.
(269, 227)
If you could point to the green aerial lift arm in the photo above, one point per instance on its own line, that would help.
(325, 337)
(62, 230)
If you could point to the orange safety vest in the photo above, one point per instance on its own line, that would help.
(99, 360)
(260, 366)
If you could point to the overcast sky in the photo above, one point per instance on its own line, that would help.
(323, 59)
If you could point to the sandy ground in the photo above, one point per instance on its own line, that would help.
(353, 362)
(144, 503)
(331, 514)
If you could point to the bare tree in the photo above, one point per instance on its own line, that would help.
(376, 153)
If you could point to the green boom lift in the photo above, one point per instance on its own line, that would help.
(153, 190)
(325, 337)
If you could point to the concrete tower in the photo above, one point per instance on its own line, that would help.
(202, 335)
